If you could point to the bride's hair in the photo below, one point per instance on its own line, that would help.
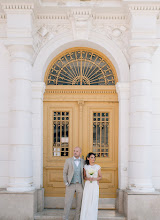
(88, 155)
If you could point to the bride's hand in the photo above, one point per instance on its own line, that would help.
(92, 179)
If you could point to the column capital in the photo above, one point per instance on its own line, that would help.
(123, 89)
(38, 89)
(24, 52)
(141, 54)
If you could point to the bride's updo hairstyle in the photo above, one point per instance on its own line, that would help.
(88, 155)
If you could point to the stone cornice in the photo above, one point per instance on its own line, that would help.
(109, 17)
(52, 17)
(96, 16)
(2, 17)
(17, 6)
(147, 8)
(144, 7)
(145, 42)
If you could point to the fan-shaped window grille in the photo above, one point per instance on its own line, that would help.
(81, 66)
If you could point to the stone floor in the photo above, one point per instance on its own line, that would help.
(52, 214)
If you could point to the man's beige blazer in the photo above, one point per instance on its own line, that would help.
(68, 170)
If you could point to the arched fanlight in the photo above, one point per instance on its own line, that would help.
(81, 66)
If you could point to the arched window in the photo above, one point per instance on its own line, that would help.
(81, 66)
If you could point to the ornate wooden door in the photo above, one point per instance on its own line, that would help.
(92, 125)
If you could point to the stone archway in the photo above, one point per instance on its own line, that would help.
(47, 53)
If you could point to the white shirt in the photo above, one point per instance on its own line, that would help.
(77, 162)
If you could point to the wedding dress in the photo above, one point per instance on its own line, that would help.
(89, 208)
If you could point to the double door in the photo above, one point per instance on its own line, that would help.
(91, 125)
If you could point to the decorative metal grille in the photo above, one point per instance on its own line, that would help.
(81, 67)
(101, 134)
(60, 133)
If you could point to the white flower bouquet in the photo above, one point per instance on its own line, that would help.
(91, 172)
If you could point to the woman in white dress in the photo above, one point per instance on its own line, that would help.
(92, 175)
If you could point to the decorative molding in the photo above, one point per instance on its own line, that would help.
(17, 6)
(2, 18)
(81, 12)
(144, 7)
(43, 33)
(110, 17)
(71, 91)
(81, 21)
(52, 17)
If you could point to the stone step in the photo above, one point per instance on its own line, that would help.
(52, 214)
(58, 203)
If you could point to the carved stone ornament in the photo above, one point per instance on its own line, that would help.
(44, 33)
(119, 34)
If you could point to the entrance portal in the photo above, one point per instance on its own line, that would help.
(80, 109)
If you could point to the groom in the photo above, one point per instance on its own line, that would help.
(73, 179)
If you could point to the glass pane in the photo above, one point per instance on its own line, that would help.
(60, 134)
(100, 134)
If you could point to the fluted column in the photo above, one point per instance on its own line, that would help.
(123, 145)
(140, 150)
(20, 119)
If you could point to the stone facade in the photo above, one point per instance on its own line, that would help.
(32, 33)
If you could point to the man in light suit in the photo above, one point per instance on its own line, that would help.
(73, 179)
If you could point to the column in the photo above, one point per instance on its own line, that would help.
(20, 119)
(122, 89)
(38, 89)
(140, 147)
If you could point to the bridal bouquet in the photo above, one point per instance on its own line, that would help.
(91, 172)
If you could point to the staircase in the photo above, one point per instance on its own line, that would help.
(52, 214)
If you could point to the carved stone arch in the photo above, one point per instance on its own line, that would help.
(97, 42)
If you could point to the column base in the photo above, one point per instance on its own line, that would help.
(20, 205)
(138, 205)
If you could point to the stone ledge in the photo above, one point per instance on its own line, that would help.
(142, 193)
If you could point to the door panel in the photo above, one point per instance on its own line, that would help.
(101, 116)
(91, 125)
(60, 135)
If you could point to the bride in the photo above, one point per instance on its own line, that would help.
(92, 175)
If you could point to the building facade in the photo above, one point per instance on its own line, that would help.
(79, 73)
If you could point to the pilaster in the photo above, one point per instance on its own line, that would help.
(38, 89)
(20, 123)
(123, 97)
(143, 16)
